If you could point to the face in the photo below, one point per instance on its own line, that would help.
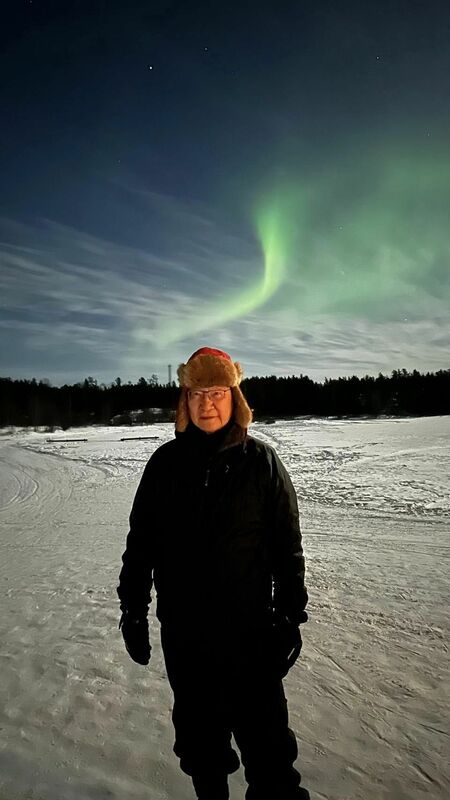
(209, 413)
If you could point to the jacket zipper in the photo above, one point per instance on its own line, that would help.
(207, 477)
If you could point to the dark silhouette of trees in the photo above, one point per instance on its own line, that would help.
(32, 403)
(402, 394)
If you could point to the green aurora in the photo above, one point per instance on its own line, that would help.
(361, 238)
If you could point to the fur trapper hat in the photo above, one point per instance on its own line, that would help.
(211, 367)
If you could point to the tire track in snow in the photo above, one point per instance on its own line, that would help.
(41, 481)
(25, 485)
(101, 468)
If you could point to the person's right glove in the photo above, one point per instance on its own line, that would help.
(135, 636)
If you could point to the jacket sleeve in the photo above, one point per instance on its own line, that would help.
(136, 575)
(288, 563)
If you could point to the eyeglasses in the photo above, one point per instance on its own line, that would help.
(213, 394)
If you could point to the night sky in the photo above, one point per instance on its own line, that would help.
(270, 178)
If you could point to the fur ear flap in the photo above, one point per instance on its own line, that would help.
(242, 412)
(239, 371)
(182, 413)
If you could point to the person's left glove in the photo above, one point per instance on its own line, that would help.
(286, 644)
(136, 637)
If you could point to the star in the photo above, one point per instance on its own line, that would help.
(150, 66)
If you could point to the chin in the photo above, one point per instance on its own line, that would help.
(210, 424)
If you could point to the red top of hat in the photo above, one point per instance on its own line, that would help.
(210, 351)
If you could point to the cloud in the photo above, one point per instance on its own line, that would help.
(65, 291)
(284, 343)
(74, 304)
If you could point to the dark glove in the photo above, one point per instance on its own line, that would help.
(286, 643)
(135, 636)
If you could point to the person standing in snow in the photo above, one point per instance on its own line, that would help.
(214, 527)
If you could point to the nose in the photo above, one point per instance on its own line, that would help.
(205, 401)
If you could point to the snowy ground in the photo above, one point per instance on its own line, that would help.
(368, 698)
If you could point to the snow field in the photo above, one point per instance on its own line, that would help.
(368, 698)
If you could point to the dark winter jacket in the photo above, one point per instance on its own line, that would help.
(214, 526)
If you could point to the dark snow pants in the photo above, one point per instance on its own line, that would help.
(222, 688)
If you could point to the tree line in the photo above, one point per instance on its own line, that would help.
(38, 403)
